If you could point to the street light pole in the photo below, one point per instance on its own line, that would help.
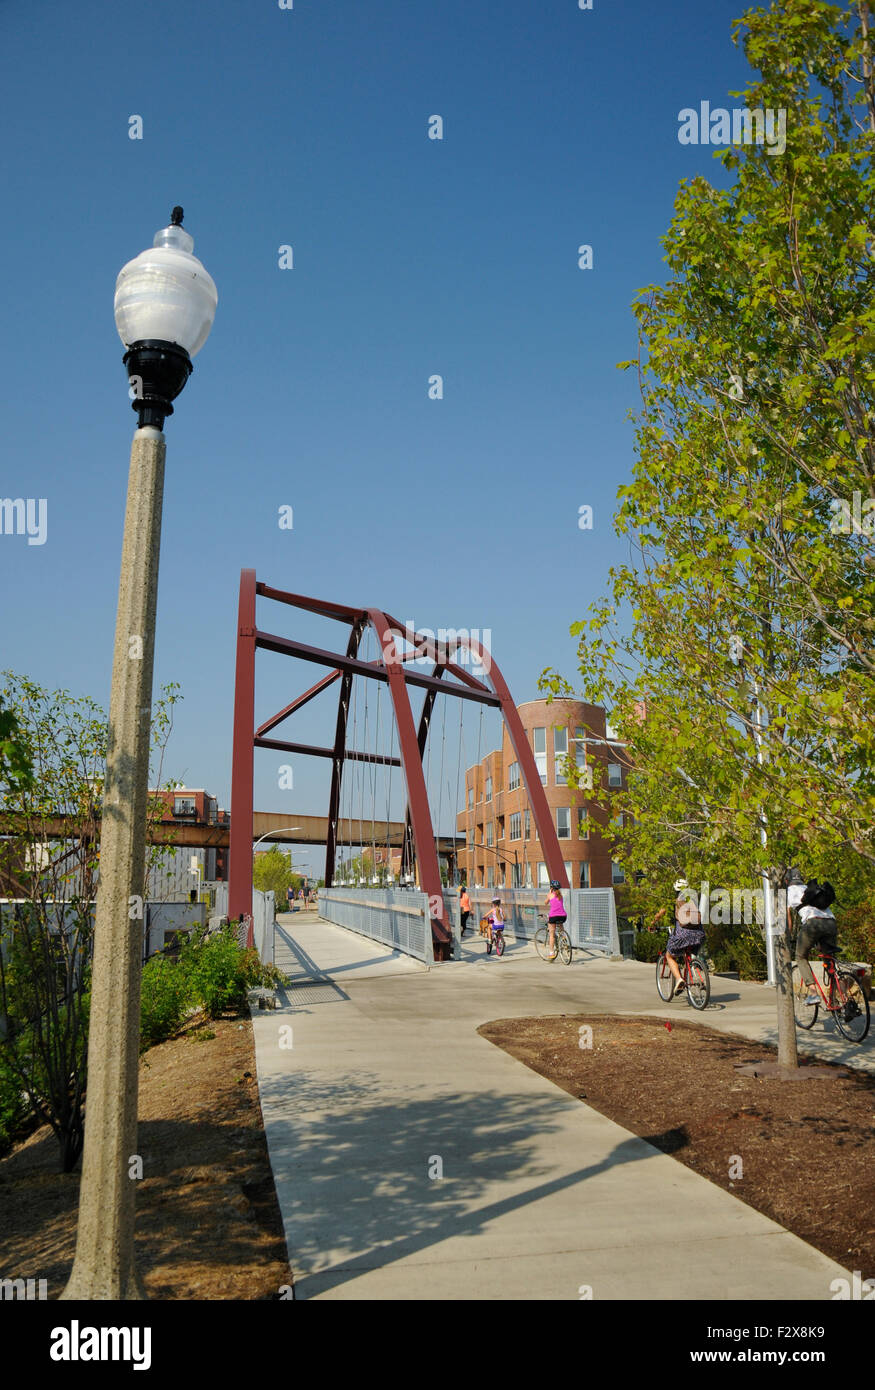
(165, 303)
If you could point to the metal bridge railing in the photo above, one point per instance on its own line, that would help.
(397, 917)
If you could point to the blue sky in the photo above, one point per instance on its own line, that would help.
(412, 257)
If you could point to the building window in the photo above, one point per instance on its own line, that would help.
(568, 874)
(184, 806)
(513, 777)
(489, 873)
(583, 823)
(615, 775)
(617, 875)
(528, 875)
(515, 820)
(528, 819)
(540, 744)
(501, 827)
(488, 788)
(470, 798)
(490, 832)
(584, 875)
(543, 876)
(560, 753)
(580, 747)
(470, 839)
(563, 822)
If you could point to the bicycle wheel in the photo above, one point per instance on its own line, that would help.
(488, 947)
(542, 943)
(699, 983)
(806, 1015)
(852, 1007)
(664, 978)
(563, 943)
(499, 943)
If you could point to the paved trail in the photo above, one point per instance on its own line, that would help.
(388, 1082)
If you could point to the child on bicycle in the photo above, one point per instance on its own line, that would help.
(495, 920)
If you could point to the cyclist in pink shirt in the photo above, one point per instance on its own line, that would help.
(555, 912)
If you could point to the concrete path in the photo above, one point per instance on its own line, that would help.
(387, 1085)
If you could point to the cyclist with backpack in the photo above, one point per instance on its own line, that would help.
(817, 927)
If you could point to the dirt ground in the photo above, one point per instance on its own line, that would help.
(208, 1223)
(805, 1146)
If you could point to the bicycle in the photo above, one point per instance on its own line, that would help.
(844, 998)
(694, 974)
(497, 939)
(562, 940)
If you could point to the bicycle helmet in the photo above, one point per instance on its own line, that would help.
(680, 884)
(554, 883)
(496, 900)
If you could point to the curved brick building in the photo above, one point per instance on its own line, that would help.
(501, 844)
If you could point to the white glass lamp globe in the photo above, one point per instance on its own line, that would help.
(165, 294)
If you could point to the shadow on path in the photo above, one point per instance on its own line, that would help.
(353, 1169)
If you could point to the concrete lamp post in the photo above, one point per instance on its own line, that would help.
(165, 303)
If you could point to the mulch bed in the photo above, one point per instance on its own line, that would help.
(208, 1222)
(806, 1147)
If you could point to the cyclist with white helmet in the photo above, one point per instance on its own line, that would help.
(687, 933)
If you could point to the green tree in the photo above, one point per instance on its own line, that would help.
(746, 614)
(271, 873)
(735, 647)
(49, 860)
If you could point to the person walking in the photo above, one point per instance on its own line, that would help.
(464, 907)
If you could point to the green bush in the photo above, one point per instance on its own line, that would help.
(164, 1001)
(218, 971)
(648, 944)
(14, 1107)
(749, 951)
(857, 933)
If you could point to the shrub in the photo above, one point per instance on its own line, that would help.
(218, 971)
(857, 933)
(648, 944)
(14, 1108)
(164, 1001)
(749, 951)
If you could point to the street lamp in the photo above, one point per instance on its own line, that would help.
(283, 830)
(165, 303)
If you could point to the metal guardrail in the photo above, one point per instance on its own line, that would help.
(397, 917)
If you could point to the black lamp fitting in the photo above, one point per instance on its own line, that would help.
(157, 371)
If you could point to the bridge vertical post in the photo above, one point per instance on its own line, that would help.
(243, 755)
(417, 793)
